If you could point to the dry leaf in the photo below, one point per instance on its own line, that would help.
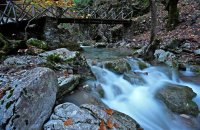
(102, 125)
(110, 124)
(109, 111)
(68, 122)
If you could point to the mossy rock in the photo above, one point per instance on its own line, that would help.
(37, 43)
(142, 65)
(117, 66)
(179, 99)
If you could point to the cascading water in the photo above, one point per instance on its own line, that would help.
(138, 101)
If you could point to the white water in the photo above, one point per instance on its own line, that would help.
(139, 101)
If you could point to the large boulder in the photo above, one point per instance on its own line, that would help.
(29, 100)
(179, 99)
(68, 116)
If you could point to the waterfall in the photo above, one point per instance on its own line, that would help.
(138, 101)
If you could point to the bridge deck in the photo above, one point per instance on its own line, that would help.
(21, 12)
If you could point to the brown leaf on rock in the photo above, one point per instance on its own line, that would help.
(68, 122)
(110, 124)
(102, 125)
(109, 111)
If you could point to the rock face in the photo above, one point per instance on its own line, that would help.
(29, 100)
(117, 66)
(87, 117)
(58, 37)
(179, 99)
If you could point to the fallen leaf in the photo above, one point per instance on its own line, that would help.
(102, 125)
(109, 111)
(110, 124)
(68, 122)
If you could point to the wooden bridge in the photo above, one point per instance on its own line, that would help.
(15, 12)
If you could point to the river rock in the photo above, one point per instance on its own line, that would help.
(67, 84)
(197, 52)
(63, 53)
(178, 99)
(29, 101)
(87, 117)
(165, 57)
(117, 66)
(24, 60)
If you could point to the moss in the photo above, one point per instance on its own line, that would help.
(54, 58)
(142, 65)
(37, 43)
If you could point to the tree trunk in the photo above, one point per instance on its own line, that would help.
(173, 14)
(153, 44)
(153, 20)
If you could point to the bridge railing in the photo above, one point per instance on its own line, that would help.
(15, 12)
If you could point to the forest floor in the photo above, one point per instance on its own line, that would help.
(188, 28)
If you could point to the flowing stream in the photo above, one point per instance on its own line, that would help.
(138, 100)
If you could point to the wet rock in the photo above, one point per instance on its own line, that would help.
(24, 60)
(62, 53)
(166, 57)
(67, 84)
(87, 117)
(178, 99)
(30, 99)
(117, 66)
(134, 78)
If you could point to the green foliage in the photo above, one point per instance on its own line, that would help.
(54, 58)
(37, 43)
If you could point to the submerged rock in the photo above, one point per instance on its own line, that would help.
(117, 66)
(134, 78)
(29, 101)
(87, 117)
(179, 99)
